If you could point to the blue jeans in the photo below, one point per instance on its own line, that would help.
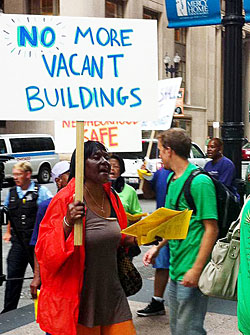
(187, 309)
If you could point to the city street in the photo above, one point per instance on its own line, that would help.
(221, 317)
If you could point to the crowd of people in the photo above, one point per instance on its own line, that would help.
(80, 289)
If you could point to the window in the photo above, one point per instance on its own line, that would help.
(31, 144)
(3, 149)
(180, 48)
(2, 124)
(196, 151)
(1, 6)
(114, 8)
(210, 131)
(44, 7)
(149, 14)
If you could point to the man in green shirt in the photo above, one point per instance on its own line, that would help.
(244, 273)
(187, 305)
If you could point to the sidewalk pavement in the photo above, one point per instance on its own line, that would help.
(215, 324)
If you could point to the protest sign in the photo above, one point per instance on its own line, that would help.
(69, 68)
(81, 69)
(117, 136)
(168, 90)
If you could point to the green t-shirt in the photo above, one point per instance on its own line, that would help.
(130, 200)
(183, 253)
(244, 273)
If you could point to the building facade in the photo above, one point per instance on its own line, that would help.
(201, 60)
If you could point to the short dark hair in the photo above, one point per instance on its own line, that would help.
(178, 140)
(217, 141)
(120, 161)
(90, 147)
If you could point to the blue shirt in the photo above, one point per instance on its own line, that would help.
(39, 216)
(43, 193)
(224, 171)
(159, 185)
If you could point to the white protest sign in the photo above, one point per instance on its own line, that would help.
(167, 93)
(68, 68)
(117, 136)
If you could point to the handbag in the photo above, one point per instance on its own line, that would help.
(219, 277)
(129, 276)
(134, 251)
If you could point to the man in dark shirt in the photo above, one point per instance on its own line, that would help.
(221, 167)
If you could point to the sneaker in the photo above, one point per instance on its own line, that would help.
(154, 308)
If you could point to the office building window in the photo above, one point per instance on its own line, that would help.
(44, 7)
(1, 6)
(114, 8)
(2, 124)
(150, 15)
(180, 48)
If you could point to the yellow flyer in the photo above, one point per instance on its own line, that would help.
(164, 222)
(135, 217)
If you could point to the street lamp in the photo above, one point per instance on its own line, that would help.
(172, 69)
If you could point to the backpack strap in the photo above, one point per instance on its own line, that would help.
(186, 189)
(169, 179)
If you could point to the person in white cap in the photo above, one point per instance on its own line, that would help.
(60, 175)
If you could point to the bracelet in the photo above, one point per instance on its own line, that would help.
(66, 223)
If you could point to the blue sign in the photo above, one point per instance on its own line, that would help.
(247, 10)
(190, 13)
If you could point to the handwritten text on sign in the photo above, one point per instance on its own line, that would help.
(77, 68)
(118, 136)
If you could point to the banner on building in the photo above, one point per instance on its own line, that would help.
(69, 68)
(179, 105)
(168, 90)
(246, 4)
(117, 136)
(190, 13)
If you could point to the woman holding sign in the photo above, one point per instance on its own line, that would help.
(81, 292)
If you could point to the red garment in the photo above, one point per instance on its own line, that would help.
(62, 264)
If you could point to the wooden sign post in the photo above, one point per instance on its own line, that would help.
(148, 155)
(79, 179)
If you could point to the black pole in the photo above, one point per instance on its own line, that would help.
(233, 128)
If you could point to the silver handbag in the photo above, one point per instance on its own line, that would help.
(219, 277)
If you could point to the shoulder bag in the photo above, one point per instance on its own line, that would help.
(219, 277)
(130, 278)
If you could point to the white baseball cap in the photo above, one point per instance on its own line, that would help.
(59, 169)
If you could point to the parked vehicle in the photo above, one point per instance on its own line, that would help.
(38, 149)
(134, 160)
(247, 179)
(246, 152)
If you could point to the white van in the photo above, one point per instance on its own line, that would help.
(133, 160)
(38, 149)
